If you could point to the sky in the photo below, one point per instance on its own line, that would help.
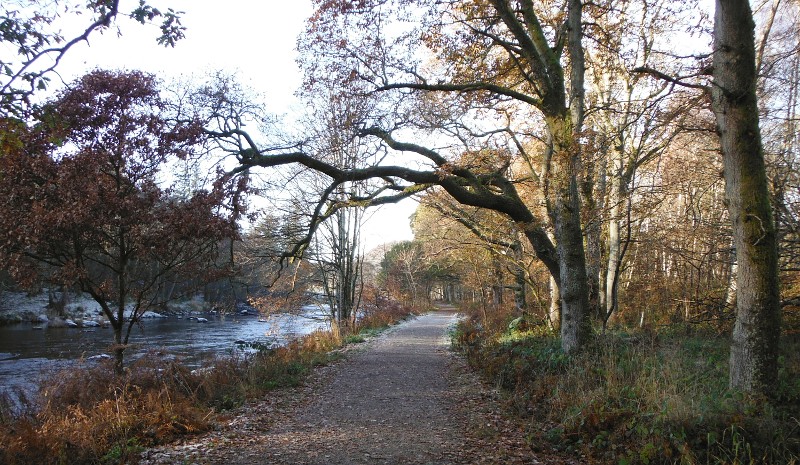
(254, 39)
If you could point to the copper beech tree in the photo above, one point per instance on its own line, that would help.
(83, 205)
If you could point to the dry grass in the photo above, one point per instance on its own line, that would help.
(638, 398)
(382, 313)
(92, 416)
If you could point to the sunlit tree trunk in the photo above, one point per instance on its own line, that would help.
(730, 295)
(575, 313)
(754, 349)
(615, 199)
(554, 311)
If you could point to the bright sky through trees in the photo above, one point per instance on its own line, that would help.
(255, 40)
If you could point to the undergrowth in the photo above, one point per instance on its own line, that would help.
(636, 398)
(89, 415)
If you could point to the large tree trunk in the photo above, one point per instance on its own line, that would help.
(754, 349)
(594, 245)
(576, 326)
(574, 292)
(575, 322)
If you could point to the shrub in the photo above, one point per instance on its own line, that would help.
(637, 398)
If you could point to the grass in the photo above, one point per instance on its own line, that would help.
(92, 416)
(638, 398)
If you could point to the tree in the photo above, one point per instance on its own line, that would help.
(778, 61)
(460, 234)
(632, 122)
(30, 28)
(84, 206)
(756, 334)
(403, 272)
(338, 251)
(509, 63)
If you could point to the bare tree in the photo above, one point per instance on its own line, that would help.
(513, 62)
(339, 252)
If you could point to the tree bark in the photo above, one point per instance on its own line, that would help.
(575, 312)
(593, 206)
(615, 199)
(520, 281)
(554, 311)
(754, 349)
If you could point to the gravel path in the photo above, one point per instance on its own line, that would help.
(402, 398)
(388, 404)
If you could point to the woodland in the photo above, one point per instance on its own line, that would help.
(608, 190)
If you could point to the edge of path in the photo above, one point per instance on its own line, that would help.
(493, 437)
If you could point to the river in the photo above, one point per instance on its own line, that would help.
(26, 353)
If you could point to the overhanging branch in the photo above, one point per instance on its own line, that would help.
(665, 77)
(467, 87)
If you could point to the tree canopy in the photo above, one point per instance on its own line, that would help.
(86, 206)
(32, 31)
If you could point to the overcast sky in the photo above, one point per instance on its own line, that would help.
(254, 39)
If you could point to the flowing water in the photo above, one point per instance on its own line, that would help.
(28, 352)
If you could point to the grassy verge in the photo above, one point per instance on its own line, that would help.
(637, 398)
(91, 416)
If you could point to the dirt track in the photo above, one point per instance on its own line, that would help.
(402, 398)
(387, 404)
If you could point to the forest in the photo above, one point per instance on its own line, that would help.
(608, 191)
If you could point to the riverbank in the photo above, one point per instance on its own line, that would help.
(75, 310)
(192, 334)
(93, 416)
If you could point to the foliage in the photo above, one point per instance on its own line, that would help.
(477, 254)
(84, 205)
(636, 398)
(33, 41)
(380, 312)
(407, 273)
